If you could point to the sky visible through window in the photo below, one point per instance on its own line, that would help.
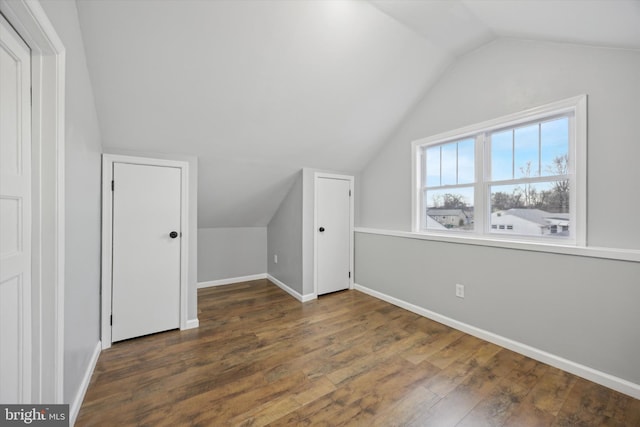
(529, 151)
(533, 150)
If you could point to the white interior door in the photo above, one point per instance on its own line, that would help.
(333, 234)
(146, 255)
(15, 217)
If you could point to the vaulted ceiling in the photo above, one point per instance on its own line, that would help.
(258, 89)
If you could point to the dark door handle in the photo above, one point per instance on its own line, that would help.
(173, 234)
(321, 229)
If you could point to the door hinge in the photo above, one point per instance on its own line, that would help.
(113, 184)
(349, 275)
(349, 193)
(111, 319)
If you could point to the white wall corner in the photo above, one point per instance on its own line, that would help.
(290, 291)
(618, 384)
(308, 297)
(74, 408)
(192, 323)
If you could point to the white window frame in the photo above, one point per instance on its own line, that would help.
(576, 107)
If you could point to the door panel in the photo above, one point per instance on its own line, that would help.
(146, 259)
(15, 217)
(334, 243)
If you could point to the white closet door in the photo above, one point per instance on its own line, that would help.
(146, 250)
(333, 217)
(15, 217)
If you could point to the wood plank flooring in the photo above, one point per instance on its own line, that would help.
(262, 358)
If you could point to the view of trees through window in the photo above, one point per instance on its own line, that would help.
(549, 196)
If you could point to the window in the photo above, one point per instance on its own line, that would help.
(449, 178)
(520, 177)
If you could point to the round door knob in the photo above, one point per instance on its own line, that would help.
(321, 229)
(173, 234)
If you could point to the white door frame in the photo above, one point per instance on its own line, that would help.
(48, 197)
(350, 179)
(107, 234)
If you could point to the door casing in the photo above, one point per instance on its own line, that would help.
(107, 234)
(48, 195)
(350, 179)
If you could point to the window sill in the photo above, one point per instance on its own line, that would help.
(584, 251)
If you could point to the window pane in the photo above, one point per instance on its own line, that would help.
(449, 209)
(501, 155)
(535, 209)
(433, 166)
(526, 151)
(466, 162)
(555, 146)
(449, 164)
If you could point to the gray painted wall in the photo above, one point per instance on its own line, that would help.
(82, 203)
(225, 253)
(582, 309)
(508, 76)
(192, 274)
(579, 308)
(284, 238)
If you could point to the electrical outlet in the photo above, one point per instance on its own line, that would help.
(275, 259)
(459, 290)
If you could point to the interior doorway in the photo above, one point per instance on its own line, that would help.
(333, 233)
(145, 246)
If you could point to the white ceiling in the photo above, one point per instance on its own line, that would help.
(462, 25)
(610, 23)
(258, 89)
(449, 24)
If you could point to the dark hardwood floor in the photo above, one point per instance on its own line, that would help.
(260, 358)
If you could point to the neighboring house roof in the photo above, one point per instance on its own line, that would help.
(559, 216)
(446, 212)
(432, 223)
(537, 216)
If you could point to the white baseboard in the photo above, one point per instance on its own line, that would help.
(599, 377)
(192, 323)
(231, 280)
(74, 408)
(287, 289)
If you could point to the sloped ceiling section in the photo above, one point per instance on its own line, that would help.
(462, 25)
(449, 24)
(606, 23)
(255, 89)
(258, 89)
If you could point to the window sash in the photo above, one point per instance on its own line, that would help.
(575, 111)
